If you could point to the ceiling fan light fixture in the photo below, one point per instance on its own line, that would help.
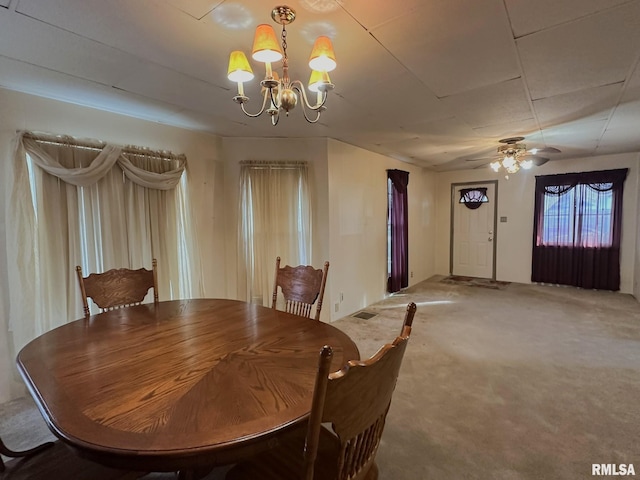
(513, 168)
(511, 156)
(508, 161)
(526, 164)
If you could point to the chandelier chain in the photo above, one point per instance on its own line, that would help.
(284, 43)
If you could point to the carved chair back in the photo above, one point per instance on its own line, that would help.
(118, 287)
(301, 287)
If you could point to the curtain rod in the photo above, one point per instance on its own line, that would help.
(99, 145)
(273, 164)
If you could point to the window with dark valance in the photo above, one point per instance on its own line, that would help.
(398, 225)
(577, 229)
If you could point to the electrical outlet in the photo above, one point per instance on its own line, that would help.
(411, 274)
(337, 307)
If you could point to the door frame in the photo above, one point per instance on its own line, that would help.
(495, 220)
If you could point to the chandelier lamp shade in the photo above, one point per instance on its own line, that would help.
(511, 156)
(280, 93)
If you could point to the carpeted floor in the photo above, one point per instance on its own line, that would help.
(522, 383)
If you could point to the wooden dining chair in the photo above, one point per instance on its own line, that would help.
(53, 460)
(354, 401)
(301, 286)
(118, 287)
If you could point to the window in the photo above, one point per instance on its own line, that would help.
(577, 229)
(275, 214)
(472, 198)
(398, 230)
(579, 215)
(100, 206)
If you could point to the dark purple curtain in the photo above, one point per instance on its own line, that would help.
(577, 239)
(399, 277)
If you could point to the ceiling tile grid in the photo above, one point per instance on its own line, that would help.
(435, 83)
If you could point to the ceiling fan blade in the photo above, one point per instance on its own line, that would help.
(480, 159)
(537, 161)
(548, 150)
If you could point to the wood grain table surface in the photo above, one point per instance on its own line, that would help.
(180, 384)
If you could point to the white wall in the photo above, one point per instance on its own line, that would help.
(26, 112)
(516, 202)
(358, 231)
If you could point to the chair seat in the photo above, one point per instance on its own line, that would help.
(285, 462)
(58, 461)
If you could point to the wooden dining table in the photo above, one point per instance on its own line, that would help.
(180, 384)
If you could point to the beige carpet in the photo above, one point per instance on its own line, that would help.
(520, 383)
(526, 382)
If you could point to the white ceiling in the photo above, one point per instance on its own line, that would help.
(431, 82)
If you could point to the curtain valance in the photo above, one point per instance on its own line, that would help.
(107, 156)
(598, 180)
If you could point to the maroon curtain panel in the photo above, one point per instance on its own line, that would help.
(577, 262)
(399, 277)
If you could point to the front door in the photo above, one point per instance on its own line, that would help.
(473, 233)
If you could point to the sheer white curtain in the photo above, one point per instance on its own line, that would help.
(275, 221)
(101, 207)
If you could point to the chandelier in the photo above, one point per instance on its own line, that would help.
(279, 93)
(511, 154)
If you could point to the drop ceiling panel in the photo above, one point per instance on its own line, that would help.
(62, 51)
(580, 136)
(448, 133)
(168, 37)
(576, 56)
(436, 80)
(196, 8)
(380, 136)
(516, 128)
(491, 105)
(528, 17)
(452, 57)
(34, 80)
(616, 140)
(584, 105)
(155, 81)
(373, 13)
(403, 101)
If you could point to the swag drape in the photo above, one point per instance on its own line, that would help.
(101, 207)
(577, 236)
(399, 221)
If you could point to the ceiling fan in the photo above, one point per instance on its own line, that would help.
(514, 155)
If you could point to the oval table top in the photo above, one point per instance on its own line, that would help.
(179, 384)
